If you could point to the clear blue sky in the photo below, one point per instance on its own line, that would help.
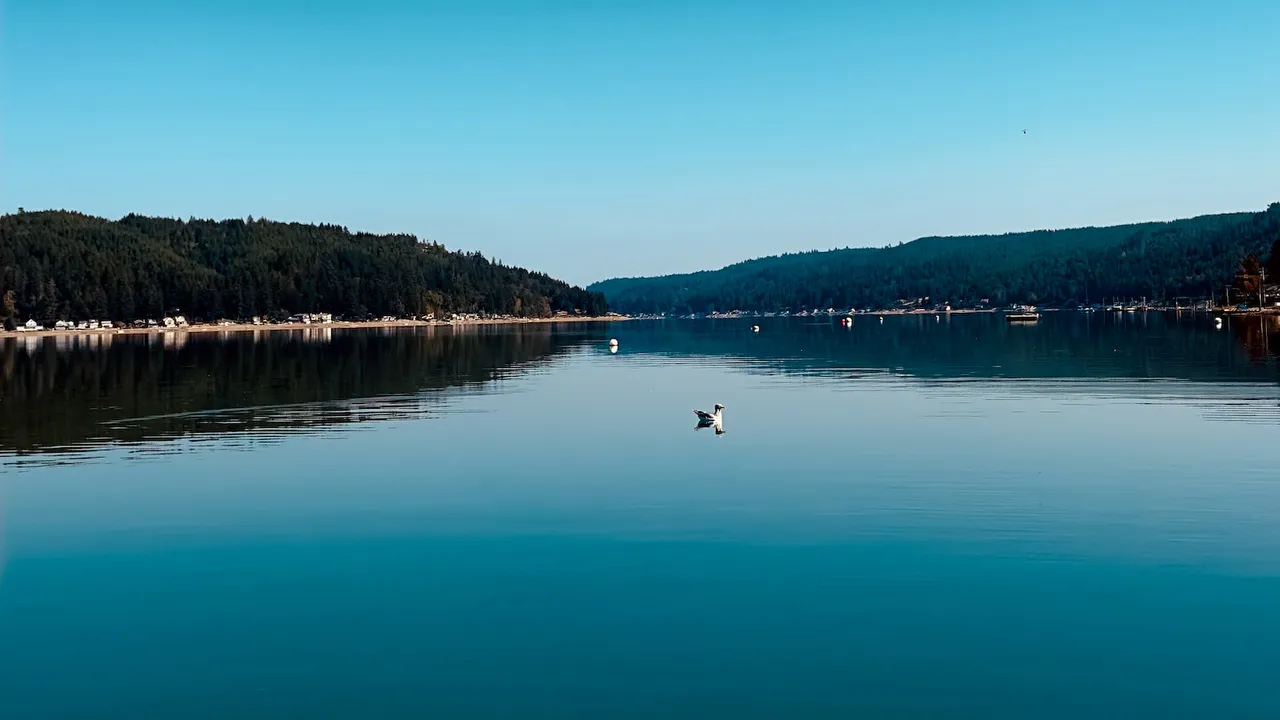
(593, 139)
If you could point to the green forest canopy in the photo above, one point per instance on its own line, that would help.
(66, 265)
(1195, 257)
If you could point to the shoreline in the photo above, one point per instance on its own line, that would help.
(285, 327)
(957, 311)
(573, 319)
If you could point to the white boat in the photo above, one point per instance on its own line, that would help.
(1022, 314)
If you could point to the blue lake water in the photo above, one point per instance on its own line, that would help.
(919, 517)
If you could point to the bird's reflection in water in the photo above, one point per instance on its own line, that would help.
(718, 424)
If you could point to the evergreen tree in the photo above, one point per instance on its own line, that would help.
(64, 265)
(1195, 257)
(9, 310)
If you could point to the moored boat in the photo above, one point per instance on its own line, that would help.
(1022, 314)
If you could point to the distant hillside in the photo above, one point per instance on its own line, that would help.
(64, 265)
(1189, 257)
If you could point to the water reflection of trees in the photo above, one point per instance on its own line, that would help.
(1059, 346)
(81, 391)
(1260, 336)
(60, 393)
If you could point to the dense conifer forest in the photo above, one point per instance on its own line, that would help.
(1192, 258)
(66, 265)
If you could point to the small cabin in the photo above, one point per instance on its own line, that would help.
(31, 325)
(180, 320)
(169, 322)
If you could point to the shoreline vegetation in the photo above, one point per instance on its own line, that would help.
(66, 266)
(60, 270)
(1213, 259)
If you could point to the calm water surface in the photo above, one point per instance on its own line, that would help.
(916, 518)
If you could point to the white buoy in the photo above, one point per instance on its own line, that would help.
(613, 343)
(755, 328)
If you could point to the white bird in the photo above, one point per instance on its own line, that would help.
(706, 417)
(716, 424)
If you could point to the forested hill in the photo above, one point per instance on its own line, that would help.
(65, 265)
(1183, 258)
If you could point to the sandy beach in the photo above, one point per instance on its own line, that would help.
(284, 327)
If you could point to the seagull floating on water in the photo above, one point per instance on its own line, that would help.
(716, 424)
(706, 417)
